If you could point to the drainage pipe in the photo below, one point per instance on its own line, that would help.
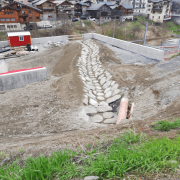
(122, 110)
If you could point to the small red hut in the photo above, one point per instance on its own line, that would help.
(19, 38)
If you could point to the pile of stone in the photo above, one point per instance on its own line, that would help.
(100, 90)
(55, 44)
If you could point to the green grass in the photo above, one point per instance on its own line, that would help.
(2, 34)
(167, 125)
(130, 153)
(173, 27)
(143, 20)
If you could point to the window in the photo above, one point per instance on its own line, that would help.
(8, 26)
(2, 19)
(23, 12)
(37, 17)
(153, 17)
(11, 26)
(159, 17)
(7, 19)
(29, 11)
(49, 5)
(2, 27)
(21, 38)
(12, 12)
(13, 19)
(15, 26)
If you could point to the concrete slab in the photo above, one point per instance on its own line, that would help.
(19, 78)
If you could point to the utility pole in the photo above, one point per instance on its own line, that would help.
(144, 41)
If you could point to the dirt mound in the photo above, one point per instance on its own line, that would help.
(69, 87)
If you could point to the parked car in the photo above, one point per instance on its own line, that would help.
(46, 26)
(30, 26)
(83, 17)
(74, 19)
(92, 19)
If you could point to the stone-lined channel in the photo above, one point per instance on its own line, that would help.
(100, 90)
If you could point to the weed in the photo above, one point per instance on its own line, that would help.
(167, 125)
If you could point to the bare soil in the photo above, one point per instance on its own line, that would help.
(43, 117)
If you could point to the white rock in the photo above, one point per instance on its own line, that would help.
(100, 94)
(100, 97)
(103, 80)
(98, 87)
(104, 108)
(116, 91)
(109, 77)
(103, 103)
(108, 115)
(85, 101)
(83, 115)
(91, 178)
(106, 90)
(110, 121)
(94, 92)
(115, 86)
(114, 98)
(107, 84)
(96, 118)
(113, 82)
(108, 94)
(93, 102)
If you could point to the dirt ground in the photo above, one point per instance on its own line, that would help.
(43, 117)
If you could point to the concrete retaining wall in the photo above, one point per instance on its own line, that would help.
(3, 43)
(3, 66)
(15, 80)
(136, 48)
(43, 40)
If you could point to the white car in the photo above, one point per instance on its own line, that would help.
(46, 26)
(92, 19)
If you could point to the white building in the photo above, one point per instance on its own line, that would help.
(159, 10)
(139, 6)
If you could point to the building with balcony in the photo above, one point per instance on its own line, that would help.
(16, 15)
(139, 6)
(159, 10)
(64, 9)
(48, 9)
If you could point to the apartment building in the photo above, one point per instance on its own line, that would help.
(139, 6)
(159, 10)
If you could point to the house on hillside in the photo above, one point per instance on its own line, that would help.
(16, 15)
(80, 8)
(65, 9)
(123, 11)
(48, 9)
(159, 10)
(99, 10)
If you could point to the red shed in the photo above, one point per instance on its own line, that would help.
(19, 38)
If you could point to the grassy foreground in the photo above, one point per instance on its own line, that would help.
(130, 153)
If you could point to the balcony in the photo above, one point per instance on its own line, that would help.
(157, 9)
(23, 15)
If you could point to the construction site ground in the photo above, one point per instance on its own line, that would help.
(45, 116)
